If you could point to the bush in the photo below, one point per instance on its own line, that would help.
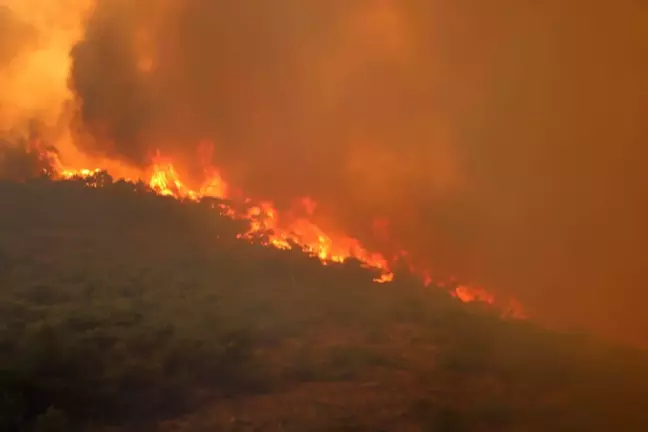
(115, 375)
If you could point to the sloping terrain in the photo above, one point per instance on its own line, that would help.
(124, 310)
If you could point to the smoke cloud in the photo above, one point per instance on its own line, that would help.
(35, 40)
(503, 141)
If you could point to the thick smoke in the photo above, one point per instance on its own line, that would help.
(503, 140)
(16, 36)
(35, 40)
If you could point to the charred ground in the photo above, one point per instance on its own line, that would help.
(124, 310)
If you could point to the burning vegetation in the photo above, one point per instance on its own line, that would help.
(463, 145)
(366, 170)
(290, 230)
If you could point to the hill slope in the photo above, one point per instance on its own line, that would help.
(123, 310)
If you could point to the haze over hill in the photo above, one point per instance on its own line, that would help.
(501, 142)
(122, 310)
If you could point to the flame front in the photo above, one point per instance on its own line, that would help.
(266, 225)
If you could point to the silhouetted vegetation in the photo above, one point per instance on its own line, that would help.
(123, 309)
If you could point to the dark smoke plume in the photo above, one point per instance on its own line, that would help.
(505, 141)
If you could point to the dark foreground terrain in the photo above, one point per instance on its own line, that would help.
(121, 310)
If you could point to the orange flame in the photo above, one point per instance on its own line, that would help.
(267, 226)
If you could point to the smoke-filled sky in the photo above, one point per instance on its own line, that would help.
(504, 140)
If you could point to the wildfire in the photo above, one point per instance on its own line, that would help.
(286, 233)
(312, 239)
(69, 174)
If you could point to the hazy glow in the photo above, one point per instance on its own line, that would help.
(38, 36)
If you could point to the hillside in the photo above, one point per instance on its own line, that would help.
(124, 310)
